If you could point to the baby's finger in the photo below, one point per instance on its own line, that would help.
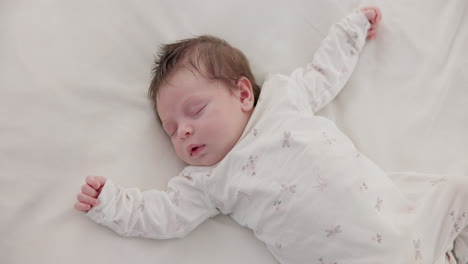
(101, 180)
(96, 181)
(82, 207)
(372, 31)
(93, 182)
(370, 14)
(373, 14)
(88, 190)
(378, 15)
(87, 199)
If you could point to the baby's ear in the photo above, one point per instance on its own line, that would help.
(246, 94)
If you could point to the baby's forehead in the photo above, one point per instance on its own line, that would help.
(184, 76)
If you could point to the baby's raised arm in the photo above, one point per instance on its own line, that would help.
(335, 59)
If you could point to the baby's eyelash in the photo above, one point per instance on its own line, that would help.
(199, 110)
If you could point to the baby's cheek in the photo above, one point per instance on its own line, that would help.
(209, 123)
(178, 150)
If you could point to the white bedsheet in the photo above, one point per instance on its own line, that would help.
(73, 83)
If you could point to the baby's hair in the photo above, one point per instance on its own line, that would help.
(212, 57)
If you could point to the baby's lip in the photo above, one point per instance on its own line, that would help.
(195, 149)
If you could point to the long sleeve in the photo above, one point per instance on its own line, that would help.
(153, 214)
(333, 62)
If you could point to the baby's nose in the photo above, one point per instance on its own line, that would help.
(185, 131)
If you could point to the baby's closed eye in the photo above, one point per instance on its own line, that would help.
(197, 110)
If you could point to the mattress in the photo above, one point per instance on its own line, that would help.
(73, 102)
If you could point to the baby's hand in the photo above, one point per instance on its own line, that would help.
(90, 191)
(374, 15)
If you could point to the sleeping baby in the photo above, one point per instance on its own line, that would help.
(264, 158)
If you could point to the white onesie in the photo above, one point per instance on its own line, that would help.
(295, 180)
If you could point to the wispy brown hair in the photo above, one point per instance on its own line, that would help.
(218, 59)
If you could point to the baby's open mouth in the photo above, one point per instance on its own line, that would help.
(194, 150)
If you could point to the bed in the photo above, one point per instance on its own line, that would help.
(73, 102)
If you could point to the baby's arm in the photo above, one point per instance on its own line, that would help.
(154, 214)
(336, 58)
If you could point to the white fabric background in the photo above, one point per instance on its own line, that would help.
(73, 83)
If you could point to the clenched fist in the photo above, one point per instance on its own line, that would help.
(374, 15)
(90, 191)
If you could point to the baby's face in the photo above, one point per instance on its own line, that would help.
(204, 118)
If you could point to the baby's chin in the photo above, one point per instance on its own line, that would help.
(204, 161)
